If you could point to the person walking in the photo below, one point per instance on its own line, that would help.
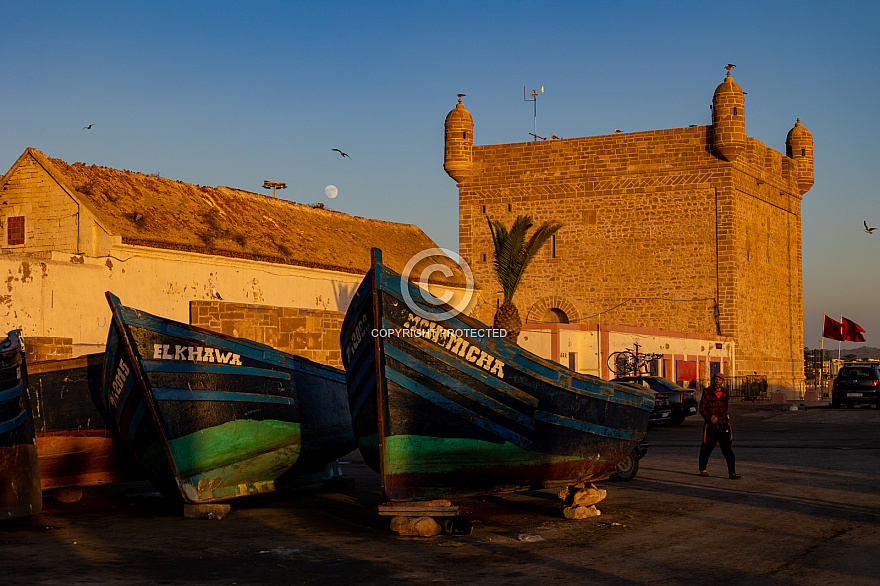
(716, 429)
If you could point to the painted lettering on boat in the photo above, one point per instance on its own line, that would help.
(357, 336)
(448, 339)
(122, 372)
(195, 354)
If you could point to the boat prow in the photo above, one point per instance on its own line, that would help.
(216, 417)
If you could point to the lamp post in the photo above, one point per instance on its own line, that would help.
(273, 185)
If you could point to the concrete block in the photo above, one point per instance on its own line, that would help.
(68, 495)
(206, 511)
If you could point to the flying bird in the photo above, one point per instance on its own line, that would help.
(869, 230)
(341, 153)
(89, 127)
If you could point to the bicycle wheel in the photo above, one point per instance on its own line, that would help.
(621, 363)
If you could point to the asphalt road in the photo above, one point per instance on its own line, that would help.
(805, 512)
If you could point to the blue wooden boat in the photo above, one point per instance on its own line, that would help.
(216, 417)
(74, 444)
(443, 409)
(20, 493)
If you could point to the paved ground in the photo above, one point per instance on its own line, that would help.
(805, 512)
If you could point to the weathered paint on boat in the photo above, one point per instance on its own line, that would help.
(74, 444)
(441, 415)
(221, 417)
(20, 493)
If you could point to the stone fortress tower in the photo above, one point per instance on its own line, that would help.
(694, 229)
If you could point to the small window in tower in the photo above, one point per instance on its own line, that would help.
(484, 257)
(509, 207)
(553, 246)
(464, 135)
(15, 230)
(734, 110)
(803, 152)
(484, 209)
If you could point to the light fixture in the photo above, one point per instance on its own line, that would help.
(273, 185)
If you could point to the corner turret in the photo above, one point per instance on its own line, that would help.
(459, 148)
(728, 119)
(799, 146)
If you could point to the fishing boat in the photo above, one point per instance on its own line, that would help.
(20, 493)
(443, 406)
(213, 417)
(74, 444)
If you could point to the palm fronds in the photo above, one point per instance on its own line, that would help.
(513, 253)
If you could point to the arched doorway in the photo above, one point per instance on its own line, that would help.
(554, 315)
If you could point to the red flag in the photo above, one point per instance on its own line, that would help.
(852, 331)
(833, 329)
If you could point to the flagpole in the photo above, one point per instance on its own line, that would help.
(822, 357)
(839, 342)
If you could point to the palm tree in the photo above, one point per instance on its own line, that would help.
(512, 256)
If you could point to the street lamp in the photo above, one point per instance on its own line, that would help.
(273, 185)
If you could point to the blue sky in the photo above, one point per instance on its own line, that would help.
(234, 93)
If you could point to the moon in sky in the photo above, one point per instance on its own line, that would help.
(331, 191)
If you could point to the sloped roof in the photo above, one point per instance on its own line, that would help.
(154, 211)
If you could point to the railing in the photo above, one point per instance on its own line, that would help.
(751, 387)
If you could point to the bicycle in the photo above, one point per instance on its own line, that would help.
(628, 362)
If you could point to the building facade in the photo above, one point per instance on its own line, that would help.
(694, 229)
(242, 263)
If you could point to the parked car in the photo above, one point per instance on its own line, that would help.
(662, 411)
(681, 400)
(856, 384)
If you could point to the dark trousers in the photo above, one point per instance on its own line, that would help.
(717, 434)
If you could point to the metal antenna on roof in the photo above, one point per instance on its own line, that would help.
(274, 185)
(535, 100)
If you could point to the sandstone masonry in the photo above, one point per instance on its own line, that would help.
(693, 229)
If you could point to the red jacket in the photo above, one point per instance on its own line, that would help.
(711, 405)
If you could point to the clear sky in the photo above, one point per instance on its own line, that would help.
(235, 93)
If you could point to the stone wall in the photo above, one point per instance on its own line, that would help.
(50, 215)
(41, 349)
(657, 232)
(312, 334)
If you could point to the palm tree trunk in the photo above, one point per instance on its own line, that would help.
(507, 318)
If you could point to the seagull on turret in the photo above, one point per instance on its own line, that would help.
(730, 66)
(869, 230)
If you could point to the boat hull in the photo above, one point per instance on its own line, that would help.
(74, 444)
(20, 493)
(443, 415)
(220, 417)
